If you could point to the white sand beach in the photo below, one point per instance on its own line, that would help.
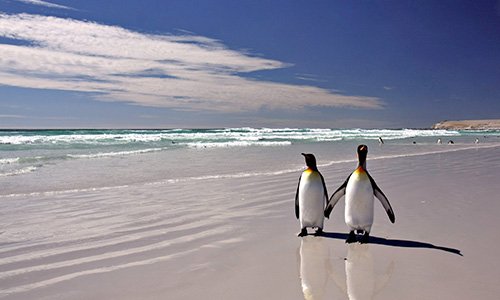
(235, 237)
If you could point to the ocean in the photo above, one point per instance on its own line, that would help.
(58, 161)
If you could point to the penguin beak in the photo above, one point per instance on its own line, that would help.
(303, 154)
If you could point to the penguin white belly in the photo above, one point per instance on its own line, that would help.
(359, 202)
(311, 200)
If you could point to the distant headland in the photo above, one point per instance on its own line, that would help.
(468, 124)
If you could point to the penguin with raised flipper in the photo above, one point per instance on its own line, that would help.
(359, 190)
(311, 197)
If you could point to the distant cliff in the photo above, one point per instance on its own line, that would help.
(468, 124)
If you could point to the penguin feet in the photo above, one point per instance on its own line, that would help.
(365, 238)
(351, 238)
(319, 232)
(302, 233)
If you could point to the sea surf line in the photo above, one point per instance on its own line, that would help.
(449, 148)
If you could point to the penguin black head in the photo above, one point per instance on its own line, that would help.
(362, 152)
(310, 161)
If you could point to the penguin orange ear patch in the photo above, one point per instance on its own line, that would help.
(359, 170)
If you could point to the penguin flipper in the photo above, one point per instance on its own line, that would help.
(383, 199)
(297, 199)
(385, 203)
(335, 198)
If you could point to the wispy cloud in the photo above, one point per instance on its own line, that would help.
(44, 3)
(184, 72)
(309, 77)
(12, 117)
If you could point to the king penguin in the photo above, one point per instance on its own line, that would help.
(310, 198)
(359, 189)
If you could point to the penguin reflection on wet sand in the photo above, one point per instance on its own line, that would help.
(362, 279)
(359, 190)
(315, 267)
(311, 197)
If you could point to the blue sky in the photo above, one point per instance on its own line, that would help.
(163, 64)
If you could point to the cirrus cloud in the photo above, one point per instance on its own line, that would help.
(44, 3)
(184, 72)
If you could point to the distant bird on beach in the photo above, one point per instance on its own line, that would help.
(310, 198)
(439, 141)
(476, 141)
(380, 140)
(450, 142)
(359, 189)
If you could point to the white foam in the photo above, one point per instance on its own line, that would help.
(112, 154)
(8, 160)
(83, 138)
(21, 171)
(229, 137)
(237, 144)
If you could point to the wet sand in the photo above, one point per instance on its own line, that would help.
(235, 238)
